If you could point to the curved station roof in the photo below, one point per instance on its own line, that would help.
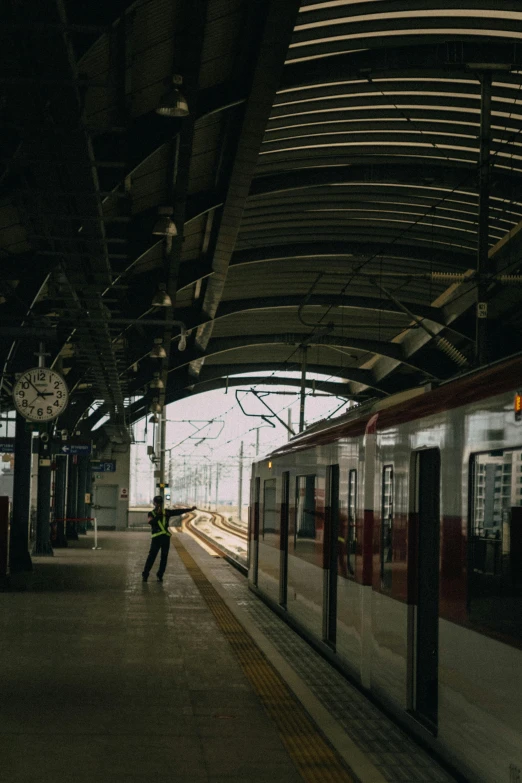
(256, 185)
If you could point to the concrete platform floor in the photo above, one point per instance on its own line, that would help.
(104, 678)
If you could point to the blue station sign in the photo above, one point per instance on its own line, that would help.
(107, 466)
(76, 448)
(7, 445)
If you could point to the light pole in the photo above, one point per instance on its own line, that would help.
(240, 488)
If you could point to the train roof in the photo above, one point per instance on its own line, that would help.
(416, 403)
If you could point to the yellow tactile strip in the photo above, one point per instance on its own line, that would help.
(313, 757)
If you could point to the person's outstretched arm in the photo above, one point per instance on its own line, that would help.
(174, 512)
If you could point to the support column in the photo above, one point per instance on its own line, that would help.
(19, 557)
(80, 494)
(72, 496)
(60, 485)
(162, 437)
(42, 544)
(481, 347)
(4, 530)
(88, 490)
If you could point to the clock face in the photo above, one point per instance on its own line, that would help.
(40, 394)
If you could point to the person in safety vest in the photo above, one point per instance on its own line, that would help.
(158, 520)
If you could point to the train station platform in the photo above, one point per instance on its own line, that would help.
(106, 678)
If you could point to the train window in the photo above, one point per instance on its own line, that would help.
(495, 541)
(386, 527)
(351, 541)
(305, 508)
(270, 515)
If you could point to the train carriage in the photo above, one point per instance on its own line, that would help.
(392, 538)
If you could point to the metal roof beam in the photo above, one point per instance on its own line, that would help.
(379, 347)
(353, 375)
(277, 27)
(337, 389)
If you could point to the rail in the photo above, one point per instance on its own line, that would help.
(237, 558)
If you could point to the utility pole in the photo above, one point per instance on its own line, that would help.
(304, 353)
(289, 429)
(257, 441)
(205, 483)
(240, 488)
(208, 476)
(217, 484)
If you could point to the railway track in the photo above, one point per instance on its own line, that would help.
(220, 524)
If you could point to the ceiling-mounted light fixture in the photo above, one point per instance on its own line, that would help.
(161, 297)
(182, 339)
(156, 382)
(158, 351)
(173, 102)
(164, 225)
(154, 419)
(155, 407)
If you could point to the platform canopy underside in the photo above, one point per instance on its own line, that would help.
(326, 189)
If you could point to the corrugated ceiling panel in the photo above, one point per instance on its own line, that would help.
(152, 68)
(193, 238)
(149, 182)
(185, 297)
(299, 276)
(149, 260)
(348, 320)
(13, 236)
(222, 41)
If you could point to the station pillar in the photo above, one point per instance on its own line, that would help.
(42, 544)
(88, 493)
(72, 498)
(19, 557)
(81, 490)
(60, 485)
(4, 531)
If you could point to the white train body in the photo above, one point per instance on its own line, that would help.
(393, 539)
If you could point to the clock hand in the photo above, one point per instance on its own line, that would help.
(39, 393)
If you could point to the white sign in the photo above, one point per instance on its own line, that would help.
(124, 494)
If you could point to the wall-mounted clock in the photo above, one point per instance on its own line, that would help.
(40, 394)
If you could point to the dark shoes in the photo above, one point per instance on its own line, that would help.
(144, 577)
(160, 578)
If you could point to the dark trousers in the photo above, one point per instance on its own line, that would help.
(157, 543)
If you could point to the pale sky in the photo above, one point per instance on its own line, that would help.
(192, 450)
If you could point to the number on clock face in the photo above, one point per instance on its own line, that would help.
(40, 394)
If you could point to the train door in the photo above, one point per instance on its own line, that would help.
(285, 518)
(256, 491)
(425, 587)
(330, 556)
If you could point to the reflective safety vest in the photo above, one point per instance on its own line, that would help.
(161, 523)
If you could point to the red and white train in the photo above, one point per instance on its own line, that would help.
(392, 538)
